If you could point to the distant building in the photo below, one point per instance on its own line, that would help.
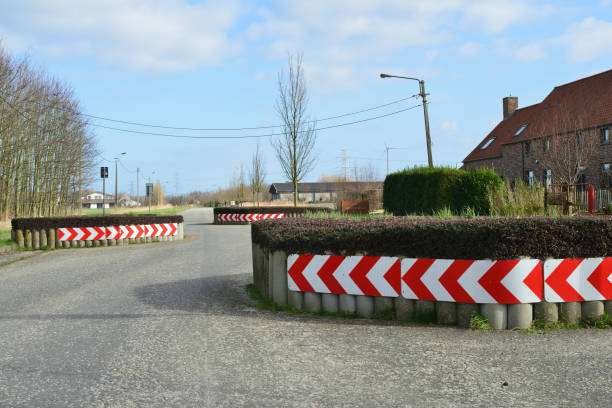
(325, 191)
(94, 200)
(515, 147)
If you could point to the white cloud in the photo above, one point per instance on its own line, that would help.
(469, 49)
(588, 40)
(531, 52)
(152, 35)
(449, 128)
(431, 55)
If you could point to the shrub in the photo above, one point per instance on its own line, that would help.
(85, 221)
(424, 190)
(520, 200)
(429, 237)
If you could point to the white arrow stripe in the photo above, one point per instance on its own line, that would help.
(310, 273)
(342, 275)
(514, 281)
(469, 281)
(376, 276)
(578, 279)
(549, 294)
(431, 279)
(407, 293)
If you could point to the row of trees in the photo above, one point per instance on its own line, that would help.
(46, 150)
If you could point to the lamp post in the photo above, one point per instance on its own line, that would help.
(424, 97)
(116, 178)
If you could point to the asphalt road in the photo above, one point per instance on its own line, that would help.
(169, 325)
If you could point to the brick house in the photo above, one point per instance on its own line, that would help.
(518, 146)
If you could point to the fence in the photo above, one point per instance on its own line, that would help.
(576, 195)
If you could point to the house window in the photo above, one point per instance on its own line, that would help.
(547, 145)
(528, 148)
(530, 178)
(605, 135)
(487, 144)
(581, 176)
(607, 175)
(518, 132)
(548, 177)
(579, 138)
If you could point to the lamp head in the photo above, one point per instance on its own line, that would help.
(384, 75)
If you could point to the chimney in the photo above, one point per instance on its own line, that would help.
(510, 105)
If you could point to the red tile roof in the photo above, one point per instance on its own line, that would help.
(580, 104)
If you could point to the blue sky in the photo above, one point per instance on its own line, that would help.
(214, 65)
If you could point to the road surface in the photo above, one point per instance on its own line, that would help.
(168, 325)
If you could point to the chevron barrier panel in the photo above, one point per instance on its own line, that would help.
(578, 280)
(248, 217)
(118, 232)
(466, 281)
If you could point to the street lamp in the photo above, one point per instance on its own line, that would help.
(423, 95)
(116, 178)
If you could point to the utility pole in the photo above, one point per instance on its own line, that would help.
(138, 185)
(116, 206)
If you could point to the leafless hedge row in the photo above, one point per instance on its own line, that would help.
(46, 150)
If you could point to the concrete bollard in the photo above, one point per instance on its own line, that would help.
(148, 240)
(446, 313)
(465, 312)
(112, 242)
(88, 243)
(43, 238)
(120, 241)
(425, 310)
(81, 243)
(520, 316)
(265, 276)
(592, 309)
(365, 306)
(20, 238)
(28, 238)
(404, 308)
(97, 243)
(312, 302)
(347, 304)
(296, 300)
(570, 312)
(608, 307)
(329, 302)
(36, 239)
(66, 244)
(51, 238)
(383, 304)
(74, 244)
(104, 242)
(546, 312)
(255, 261)
(278, 275)
(181, 232)
(496, 314)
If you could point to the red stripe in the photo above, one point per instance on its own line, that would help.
(358, 275)
(535, 281)
(450, 277)
(394, 276)
(296, 273)
(491, 281)
(172, 229)
(72, 235)
(599, 278)
(326, 274)
(557, 280)
(412, 278)
(86, 234)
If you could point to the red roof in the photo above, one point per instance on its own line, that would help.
(580, 104)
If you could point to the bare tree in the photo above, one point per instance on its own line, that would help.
(158, 194)
(257, 174)
(294, 148)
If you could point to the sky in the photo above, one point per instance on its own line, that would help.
(215, 64)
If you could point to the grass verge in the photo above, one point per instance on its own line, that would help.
(602, 322)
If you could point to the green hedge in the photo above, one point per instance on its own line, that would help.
(428, 237)
(85, 221)
(424, 191)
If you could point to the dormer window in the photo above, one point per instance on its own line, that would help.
(518, 132)
(487, 144)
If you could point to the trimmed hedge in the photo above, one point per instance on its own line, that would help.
(268, 210)
(424, 191)
(427, 237)
(86, 221)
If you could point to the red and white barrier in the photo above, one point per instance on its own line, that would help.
(469, 281)
(248, 217)
(119, 232)
(352, 275)
(578, 280)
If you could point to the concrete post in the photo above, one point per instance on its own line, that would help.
(97, 243)
(404, 308)
(570, 312)
(347, 304)
(256, 270)
(296, 300)
(278, 271)
(120, 241)
(181, 231)
(89, 243)
(465, 312)
(329, 302)
(382, 304)
(546, 312)
(51, 238)
(81, 243)
(112, 242)
(520, 316)
(28, 238)
(365, 306)
(446, 313)
(608, 307)
(36, 239)
(425, 310)
(104, 242)
(43, 238)
(592, 309)
(74, 244)
(20, 238)
(312, 302)
(58, 243)
(496, 314)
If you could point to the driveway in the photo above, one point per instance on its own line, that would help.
(168, 324)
